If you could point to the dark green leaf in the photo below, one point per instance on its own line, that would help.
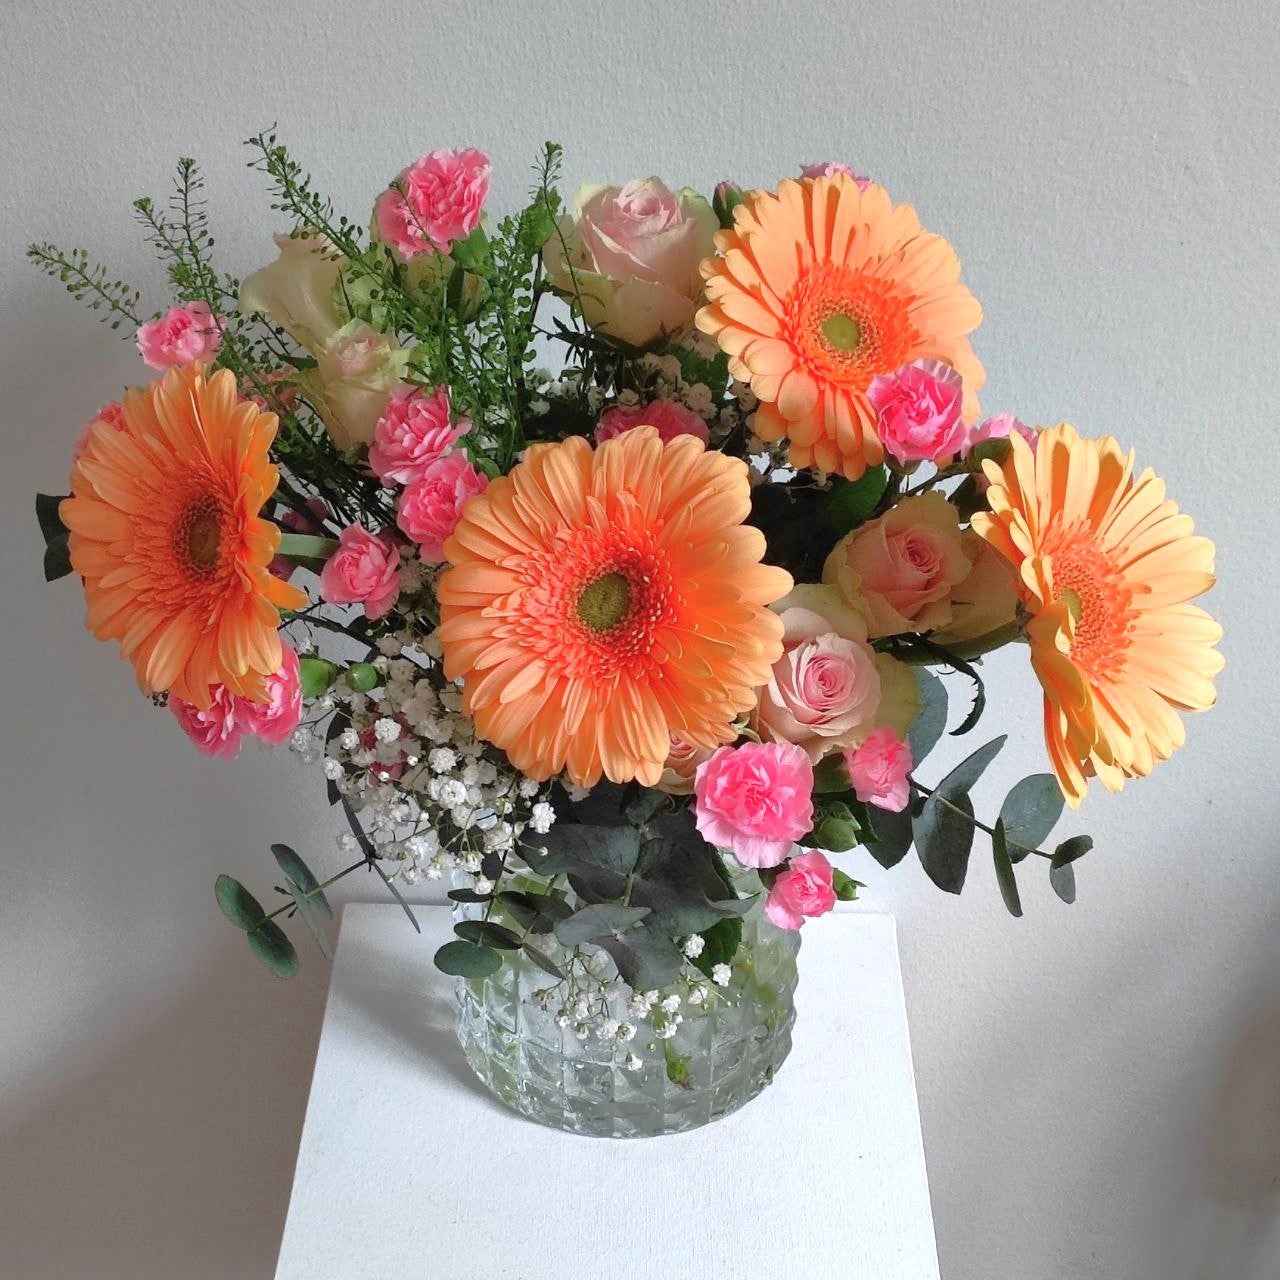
(469, 895)
(576, 847)
(312, 918)
(597, 921)
(486, 933)
(467, 960)
(271, 945)
(398, 896)
(971, 768)
(1030, 812)
(890, 836)
(535, 912)
(49, 516)
(474, 252)
(543, 961)
(646, 960)
(831, 774)
(931, 720)
(1063, 880)
(679, 881)
(720, 944)
(1069, 850)
(315, 675)
(1005, 876)
(845, 886)
(238, 904)
(943, 833)
(57, 559)
(642, 804)
(852, 501)
(298, 873)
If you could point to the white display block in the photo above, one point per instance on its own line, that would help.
(408, 1167)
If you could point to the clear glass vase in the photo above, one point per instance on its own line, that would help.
(616, 1063)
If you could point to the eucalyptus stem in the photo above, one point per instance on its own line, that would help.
(320, 888)
(968, 817)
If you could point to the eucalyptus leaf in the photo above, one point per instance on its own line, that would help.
(597, 921)
(469, 895)
(298, 873)
(720, 944)
(682, 886)
(57, 558)
(1071, 849)
(931, 720)
(535, 912)
(313, 919)
(543, 961)
(575, 847)
(467, 960)
(853, 501)
(1005, 876)
(647, 960)
(1063, 880)
(1030, 812)
(238, 904)
(889, 837)
(971, 768)
(486, 933)
(943, 833)
(272, 946)
(642, 804)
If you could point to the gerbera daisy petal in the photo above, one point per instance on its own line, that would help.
(590, 643)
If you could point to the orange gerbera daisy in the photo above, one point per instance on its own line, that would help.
(165, 531)
(1105, 567)
(821, 288)
(599, 601)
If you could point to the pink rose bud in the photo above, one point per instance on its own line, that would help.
(365, 569)
(724, 200)
(803, 889)
(431, 506)
(414, 431)
(110, 413)
(443, 195)
(275, 719)
(829, 169)
(184, 334)
(878, 770)
(755, 800)
(215, 729)
(668, 416)
(1001, 426)
(918, 411)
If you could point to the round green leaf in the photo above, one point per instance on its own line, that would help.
(300, 875)
(238, 904)
(467, 960)
(271, 945)
(1030, 811)
(486, 933)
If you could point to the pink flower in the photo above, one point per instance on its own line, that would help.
(283, 566)
(999, 427)
(184, 334)
(286, 394)
(276, 718)
(878, 770)
(110, 413)
(671, 418)
(430, 507)
(918, 409)
(216, 730)
(803, 889)
(829, 169)
(413, 432)
(683, 760)
(756, 800)
(365, 569)
(444, 193)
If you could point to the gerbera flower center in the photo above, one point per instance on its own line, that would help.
(197, 534)
(605, 602)
(842, 332)
(1093, 589)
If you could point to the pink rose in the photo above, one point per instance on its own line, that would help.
(365, 569)
(668, 416)
(682, 763)
(1001, 426)
(829, 169)
(756, 800)
(431, 506)
(899, 569)
(878, 770)
(110, 413)
(216, 729)
(803, 889)
(824, 691)
(184, 334)
(918, 411)
(275, 719)
(632, 253)
(443, 195)
(413, 432)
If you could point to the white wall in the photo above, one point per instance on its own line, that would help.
(1100, 1085)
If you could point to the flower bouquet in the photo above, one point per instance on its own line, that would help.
(627, 647)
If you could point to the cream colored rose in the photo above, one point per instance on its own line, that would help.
(984, 605)
(898, 571)
(682, 763)
(355, 373)
(297, 291)
(634, 253)
(899, 695)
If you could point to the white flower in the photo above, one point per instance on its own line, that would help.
(388, 645)
(332, 769)
(625, 1032)
(541, 817)
(721, 974)
(608, 1029)
(697, 995)
(386, 729)
(693, 946)
(441, 759)
(667, 1030)
(633, 1062)
(539, 407)
(483, 884)
(431, 646)
(671, 1003)
(347, 842)
(349, 740)
(452, 793)
(698, 398)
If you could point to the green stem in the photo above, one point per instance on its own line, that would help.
(968, 817)
(320, 888)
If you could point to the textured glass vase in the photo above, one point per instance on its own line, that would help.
(723, 1050)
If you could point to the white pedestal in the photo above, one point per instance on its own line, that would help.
(409, 1168)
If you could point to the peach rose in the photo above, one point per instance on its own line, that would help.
(633, 253)
(682, 762)
(356, 371)
(899, 570)
(985, 603)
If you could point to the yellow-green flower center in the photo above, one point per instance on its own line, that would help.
(605, 602)
(842, 332)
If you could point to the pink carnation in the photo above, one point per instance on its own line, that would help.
(275, 719)
(444, 193)
(878, 770)
(413, 432)
(286, 394)
(365, 569)
(803, 889)
(216, 729)
(756, 800)
(430, 507)
(829, 168)
(671, 418)
(918, 411)
(184, 334)
(111, 414)
(999, 427)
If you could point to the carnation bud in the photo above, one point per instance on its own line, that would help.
(727, 197)
(362, 677)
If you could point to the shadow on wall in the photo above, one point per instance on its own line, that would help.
(174, 1156)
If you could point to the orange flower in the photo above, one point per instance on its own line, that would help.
(165, 532)
(1105, 567)
(821, 288)
(601, 601)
